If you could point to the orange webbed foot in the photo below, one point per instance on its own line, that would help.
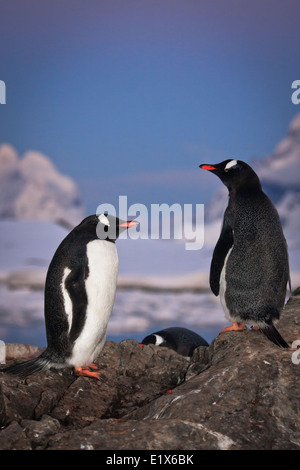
(234, 327)
(92, 370)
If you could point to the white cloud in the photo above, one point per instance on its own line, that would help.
(33, 189)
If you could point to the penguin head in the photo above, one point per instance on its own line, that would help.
(105, 226)
(234, 173)
(155, 339)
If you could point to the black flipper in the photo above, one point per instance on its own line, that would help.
(273, 335)
(222, 247)
(56, 317)
(23, 369)
(75, 285)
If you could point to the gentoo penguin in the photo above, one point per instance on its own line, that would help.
(179, 339)
(250, 267)
(79, 296)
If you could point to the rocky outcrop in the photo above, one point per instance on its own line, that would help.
(241, 392)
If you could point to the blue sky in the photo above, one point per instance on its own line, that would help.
(129, 97)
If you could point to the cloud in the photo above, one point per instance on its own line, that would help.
(32, 188)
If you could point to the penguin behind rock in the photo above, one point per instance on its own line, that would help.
(250, 267)
(79, 296)
(179, 339)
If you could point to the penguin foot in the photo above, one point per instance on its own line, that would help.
(92, 370)
(256, 328)
(234, 327)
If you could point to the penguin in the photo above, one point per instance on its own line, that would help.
(181, 340)
(79, 296)
(250, 267)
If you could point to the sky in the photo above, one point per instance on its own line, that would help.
(128, 97)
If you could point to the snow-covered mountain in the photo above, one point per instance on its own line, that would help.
(280, 176)
(281, 170)
(31, 188)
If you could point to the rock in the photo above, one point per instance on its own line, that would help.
(131, 377)
(2, 409)
(34, 396)
(13, 437)
(296, 291)
(22, 351)
(136, 435)
(38, 432)
(241, 392)
(199, 362)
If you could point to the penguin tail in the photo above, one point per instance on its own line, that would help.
(23, 369)
(273, 335)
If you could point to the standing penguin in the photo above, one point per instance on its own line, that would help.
(79, 296)
(249, 268)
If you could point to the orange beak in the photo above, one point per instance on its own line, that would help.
(207, 167)
(129, 224)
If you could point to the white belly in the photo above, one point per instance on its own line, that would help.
(101, 290)
(223, 288)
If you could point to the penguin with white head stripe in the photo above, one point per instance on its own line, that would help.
(79, 296)
(250, 267)
(180, 339)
